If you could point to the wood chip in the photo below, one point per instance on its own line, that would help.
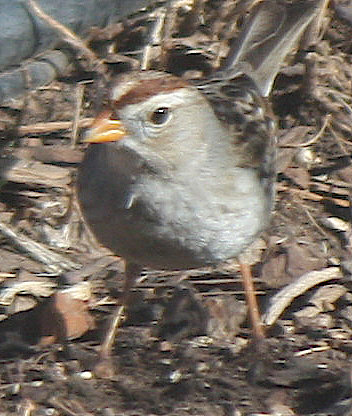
(63, 318)
(325, 297)
(54, 262)
(36, 173)
(35, 288)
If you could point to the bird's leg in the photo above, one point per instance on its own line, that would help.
(132, 271)
(254, 316)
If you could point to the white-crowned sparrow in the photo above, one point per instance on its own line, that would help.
(182, 175)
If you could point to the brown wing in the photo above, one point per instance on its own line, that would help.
(238, 103)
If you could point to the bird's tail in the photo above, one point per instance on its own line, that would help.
(270, 33)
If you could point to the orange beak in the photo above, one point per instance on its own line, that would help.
(105, 130)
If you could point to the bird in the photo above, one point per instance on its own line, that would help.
(180, 174)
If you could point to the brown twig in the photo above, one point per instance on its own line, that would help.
(42, 128)
(78, 109)
(70, 37)
(285, 296)
(305, 194)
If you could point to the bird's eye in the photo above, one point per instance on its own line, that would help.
(160, 116)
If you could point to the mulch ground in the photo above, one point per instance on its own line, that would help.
(185, 347)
